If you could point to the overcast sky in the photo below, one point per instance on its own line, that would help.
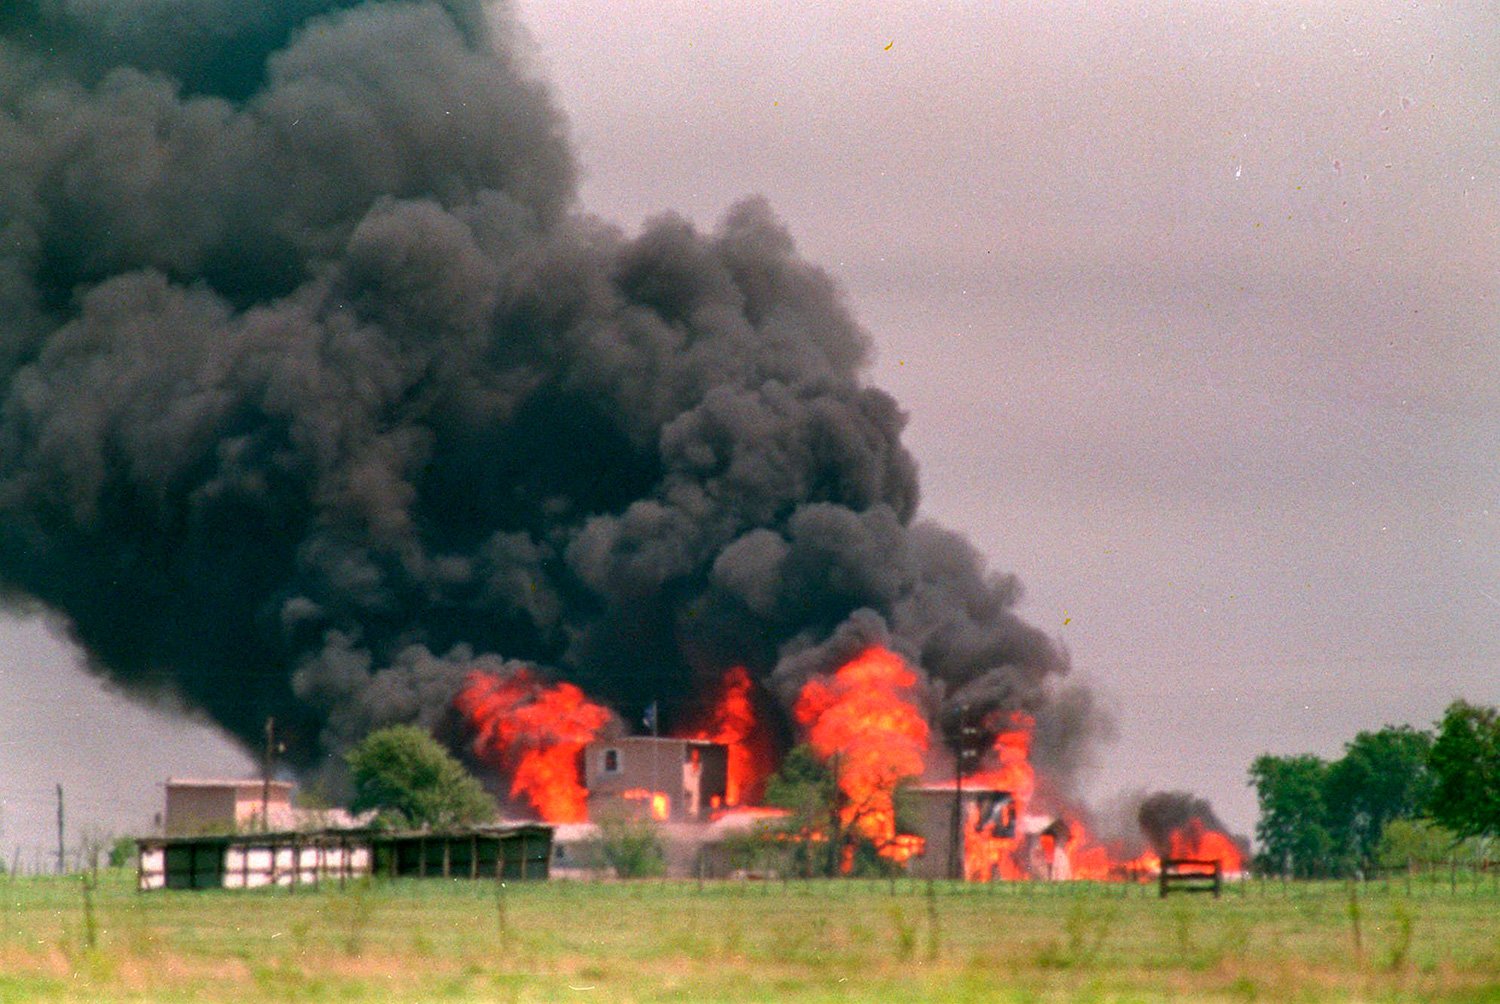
(1194, 309)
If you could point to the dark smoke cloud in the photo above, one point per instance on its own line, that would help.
(1163, 812)
(318, 388)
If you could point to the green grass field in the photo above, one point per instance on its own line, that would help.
(801, 941)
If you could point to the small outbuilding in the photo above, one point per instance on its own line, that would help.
(254, 860)
(218, 805)
(521, 851)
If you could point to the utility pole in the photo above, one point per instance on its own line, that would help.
(955, 855)
(61, 860)
(265, 776)
(966, 735)
(653, 719)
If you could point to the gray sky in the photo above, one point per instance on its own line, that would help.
(1194, 309)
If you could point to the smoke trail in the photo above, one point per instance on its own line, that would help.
(318, 388)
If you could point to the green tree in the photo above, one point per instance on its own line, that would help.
(122, 852)
(630, 846)
(1382, 776)
(411, 780)
(1465, 765)
(1292, 831)
(807, 788)
(1421, 842)
(825, 827)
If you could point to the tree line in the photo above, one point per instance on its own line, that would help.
(1396, 794)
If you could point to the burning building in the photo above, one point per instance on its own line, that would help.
(322, 398)
(667, 780)
(319, 392)
(953, 824)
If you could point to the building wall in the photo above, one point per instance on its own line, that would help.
(250, 867)
(524, 852)
(198, 810)
(249, 799)
(195, 807)
(932, 809)
(628, 775)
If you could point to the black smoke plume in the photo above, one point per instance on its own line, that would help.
(319, 388)
(1165, 812)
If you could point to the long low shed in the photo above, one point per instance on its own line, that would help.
(255, 860)
(517, 852)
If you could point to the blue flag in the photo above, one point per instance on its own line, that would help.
(649, 720)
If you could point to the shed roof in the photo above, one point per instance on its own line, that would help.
(226, 782)
(342, 835)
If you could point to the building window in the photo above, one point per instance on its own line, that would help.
(611, 761)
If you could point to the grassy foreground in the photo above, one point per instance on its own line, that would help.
(820, 941)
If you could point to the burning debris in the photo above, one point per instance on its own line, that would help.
(321, 399)
(1180, 825)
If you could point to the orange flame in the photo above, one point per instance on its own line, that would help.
(1086, 859)
(1011, 768)
(1198, 841)
(903, 847)
(988, 855)
(862, 719)
(734, 723)
(661, 807)
(751, 813)
(534, 733)
(1063, 851)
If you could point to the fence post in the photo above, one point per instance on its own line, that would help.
(61, 854)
